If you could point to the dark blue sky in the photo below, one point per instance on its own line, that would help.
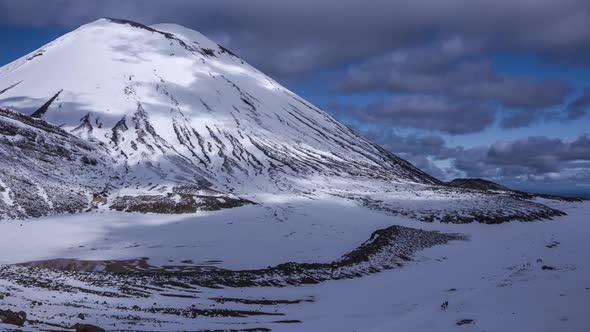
(18, 41)
(505, 96)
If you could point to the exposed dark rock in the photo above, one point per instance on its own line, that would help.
(10, 87)
(135, 24)
(88, 161)
(145, 27)
(207, 52)
(87, 328)
(478, 184)
(514, 208)
(38, 54)
(13, 318)
(119, 128)
(33, 122)
(287, 321)
(85, 126)
(256, 301)
(175, 203)
(225, 50)
(41, 111)
(388, 248)
(465, 322)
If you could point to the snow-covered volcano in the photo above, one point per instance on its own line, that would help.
(156, 116)
(166, 92)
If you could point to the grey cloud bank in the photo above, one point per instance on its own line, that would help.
(303, 35)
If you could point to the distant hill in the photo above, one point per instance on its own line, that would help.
(485, 185)
(478, 184)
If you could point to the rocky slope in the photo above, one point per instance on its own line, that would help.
(477, 184)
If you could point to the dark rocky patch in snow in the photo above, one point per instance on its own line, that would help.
(478, 184)
(257, 301)
(465, 322)
(41, 111)
(13, 318)
(87, 328)
(10, 87)
(37, 54)
(225, 50)
(175, 203)
(462, 206)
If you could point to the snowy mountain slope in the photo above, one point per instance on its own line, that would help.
(186, 96)
(30, 182)
(46, 170)
(174, 110)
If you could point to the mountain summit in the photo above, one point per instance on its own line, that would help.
(161, 119)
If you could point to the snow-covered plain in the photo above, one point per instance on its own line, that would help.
(304, 230)
(519, 276)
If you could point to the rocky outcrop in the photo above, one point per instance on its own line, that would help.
(13, 318)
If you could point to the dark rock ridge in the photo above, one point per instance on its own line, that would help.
(175, 203)
(126, 290)
(87, 328)
(39, 113)
(478, 184)
(386, 249)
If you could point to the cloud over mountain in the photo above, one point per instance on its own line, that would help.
(423, 112)
(449, 69)
(308, 34)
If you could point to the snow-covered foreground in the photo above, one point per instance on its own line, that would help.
(496, 279)
(509, 277)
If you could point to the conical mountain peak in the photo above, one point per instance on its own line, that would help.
(154, 112)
